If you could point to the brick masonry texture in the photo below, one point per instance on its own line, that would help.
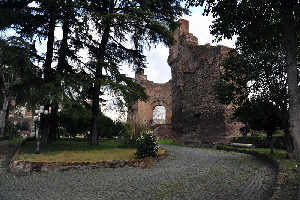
(160, 95)
(193, 114)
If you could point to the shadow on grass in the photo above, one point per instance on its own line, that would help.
(69, 145)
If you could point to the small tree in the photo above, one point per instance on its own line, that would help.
(147, 145)
(130, 134)
(75, 119)
(260, 115)
(259, 75)
(105, 126)
(119, 128)
(23, 126)
(17, 73)
(10, 130)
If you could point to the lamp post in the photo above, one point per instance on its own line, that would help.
(38, 114)
(36, 119)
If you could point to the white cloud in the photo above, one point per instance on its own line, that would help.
(158, 69)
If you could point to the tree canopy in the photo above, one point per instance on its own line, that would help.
(18, 74)
(98, 37)
(256, 86)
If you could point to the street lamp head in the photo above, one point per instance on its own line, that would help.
(41, 110)
(36, 119)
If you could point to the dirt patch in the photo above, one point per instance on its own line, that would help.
(287, 184)
(4, 149)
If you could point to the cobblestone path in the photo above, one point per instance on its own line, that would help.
(189, 173)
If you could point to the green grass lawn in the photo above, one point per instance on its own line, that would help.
(265, 135)
(16, 140)
(74, 151)
(166, 141)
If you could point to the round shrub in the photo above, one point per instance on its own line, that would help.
(147, 145)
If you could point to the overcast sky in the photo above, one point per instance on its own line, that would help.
(158, 69)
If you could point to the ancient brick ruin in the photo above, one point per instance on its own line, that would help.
(160, 95)
(192, 112)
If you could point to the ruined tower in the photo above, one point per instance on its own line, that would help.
(193, 115)
(197, 117)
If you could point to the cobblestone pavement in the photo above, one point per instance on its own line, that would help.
(189, 173)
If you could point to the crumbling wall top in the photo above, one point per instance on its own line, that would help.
(183, 37)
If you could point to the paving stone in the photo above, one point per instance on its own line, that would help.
(189, 173)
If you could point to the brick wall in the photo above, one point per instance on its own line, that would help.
(193, 114)
(160, 94)
(197, 116)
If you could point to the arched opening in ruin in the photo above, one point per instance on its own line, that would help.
(159, 114)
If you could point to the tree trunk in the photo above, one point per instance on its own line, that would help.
(95, 114)
(290, 45)
(97, 85)
(3, 114)
(271, 143)
(62, 66)
(44, 126)
(48, 75)
(288, 143)
(287, 138)
(53, 126)
(284, 116)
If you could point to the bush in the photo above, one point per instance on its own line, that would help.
(10, 130)
(23, 126)
(245, 130)
(129, 135)
(74, 119)
(107, 128)
(147, 145)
